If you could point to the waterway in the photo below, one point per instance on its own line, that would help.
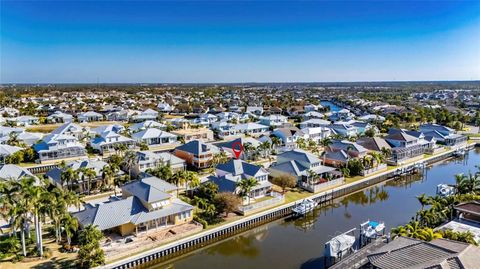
(333, 107)
(299, 243)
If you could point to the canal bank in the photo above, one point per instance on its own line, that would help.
(228, 230)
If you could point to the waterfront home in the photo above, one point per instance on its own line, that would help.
(342, 114)
(336, 158)
(148, 114)
(274, 121)
(289, 136)
(314, 123)
(137, 127)
(404, 146)
(443, 134)
(89, 116)
(59, 117)
(362, 126)
(316, 133)
(146, 204)
(223, 129)
(13, 172)
(62, 143)
(82, 184)
(23, 120)
(227, 176)
(353, 149)
(374, 144)
(190, 134)
(196, 153)
(255, 110)
(110, 141)
(406, 252)
(467, 219)
(149, 160)
(311, 107)
(7, 150)
(252, 129)
(306, 168)
(165, 107)
(344, 129)
(155, 137)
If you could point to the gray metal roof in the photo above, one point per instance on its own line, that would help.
(238, 167)
(150, 189)
(300, 155)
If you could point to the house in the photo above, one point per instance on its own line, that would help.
(467, 219)
(371, 118)
(205, 119)
(9, 112)
(255, 110)
(274, 121)
(155, 137)
(146, 204)
(223, 129)
(62, 143)
(311, 107)
(83, 184)
(122, 115)
(90, 116)
(252, 129)
(313, 115)
(20, 134)
(344, 129)
(190, 134)
(314, 123)
(374, 144)
(165, 107)
(228, 116)
(342, 114)
(244, 141)
(23, 120)
(442, 134)
(316, 133)
(109, 141)
(404, 146)
(406, 252)
(306, 168)
(148, 114)
(196, 153)
(288, 136)
(137, 127)
(149, 160)
(59, 117)
(116, 128)
(362, 127)
(352, 148)
(7, 150)
(13, 172)
(336, 158)
(227, 176)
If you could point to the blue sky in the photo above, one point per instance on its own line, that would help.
(229, 41)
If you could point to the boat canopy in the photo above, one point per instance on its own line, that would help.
(339, 245)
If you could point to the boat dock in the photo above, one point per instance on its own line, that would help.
(360, 258)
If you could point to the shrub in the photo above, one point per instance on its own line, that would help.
(201, 221)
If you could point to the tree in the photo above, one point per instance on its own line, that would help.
(90, 254)
(285, 181)
(276, 142)
(69, 176)
(301, 143)
(246, 185)
(88, 174)
(70, 225)
(370, 132)
(227, 202)
(129, 161)
(325, 143)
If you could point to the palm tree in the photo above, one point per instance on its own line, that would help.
(265, 147)
(69, 175)
(423, 199)
(193, 180)
(248, 148)
(89, 174)
(179, 178)
(301, 143)
(427, 234)
(129, 161)
(325, 143)
(467, 184)
(108, 173)
(246, 185)
(70, 225)
(276, 142)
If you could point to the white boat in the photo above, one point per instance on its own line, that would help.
(339, 245)
(372, 229)
(459, 153)
(304, 207)
(445, 190)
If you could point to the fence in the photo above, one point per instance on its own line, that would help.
(277, 198)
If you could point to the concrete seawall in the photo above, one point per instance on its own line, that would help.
(210, 236)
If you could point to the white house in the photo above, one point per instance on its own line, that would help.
(109, 141)
(155, 137)
(252, 129)
(274, 120)
(62, 143)
(90, 116)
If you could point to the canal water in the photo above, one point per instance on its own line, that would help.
(333, 107)
(299, 243)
